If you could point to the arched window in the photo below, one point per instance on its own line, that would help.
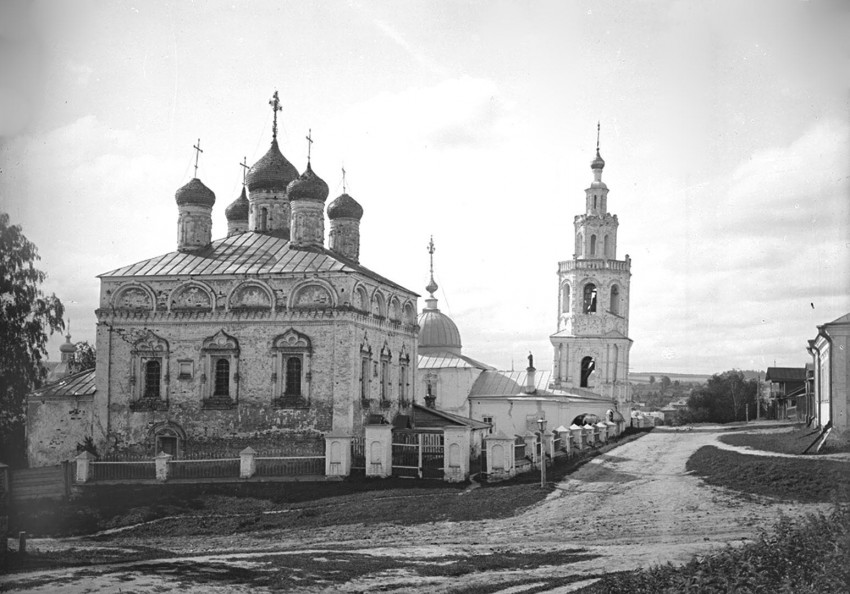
(593, 245)
(579, 244)
(615, 300)
(616, 355)
(589, 298)
(587, 367)
(566, 294)
(364, 377)
(605, 248)
(153, 375)
(222, 378)
(264, 218)
(594, 203)
(293, 377)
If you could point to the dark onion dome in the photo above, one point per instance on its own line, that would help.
(67, 347)
(195, 192)
(308, 186)
(345, 207)
(437, 331)
(271, 172)
(597, 163)
(238, 209)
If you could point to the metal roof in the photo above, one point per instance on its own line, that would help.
(432, 417)
(450, 361)
(785, 374)
(502, 384)
(248, 253)
(79, 384)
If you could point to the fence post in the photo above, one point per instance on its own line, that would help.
(457, 442)
(564, 435)
(247, 463)
(162, 459)
(602, 428)
(5, 485)
(500, 455)
(337, 454)
(84, 468)
(379, 450)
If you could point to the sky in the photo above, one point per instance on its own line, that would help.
(724, 128)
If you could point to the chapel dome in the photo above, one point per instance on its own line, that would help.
(598, 184)
(344, 206)
(437, 331)
(195, 192)
(67, 347)
(598, 162)
(271, 172)
(238, 209)
(308, 186)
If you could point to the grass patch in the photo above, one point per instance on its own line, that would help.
(806, 480)
(784, 442)
(807, 556)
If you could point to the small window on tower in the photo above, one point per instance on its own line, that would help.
(593, 245)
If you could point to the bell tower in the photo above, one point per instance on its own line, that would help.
(591, 343)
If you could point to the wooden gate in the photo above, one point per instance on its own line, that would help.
(418, 453)
(49, 482)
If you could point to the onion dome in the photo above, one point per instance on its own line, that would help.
(345, 207)
(195, 192)
(437, 331)
(238, 209)
(271, 172)
(308, 186)
(597, 163)
(67, 347)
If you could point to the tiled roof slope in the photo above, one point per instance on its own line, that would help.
(247, 253)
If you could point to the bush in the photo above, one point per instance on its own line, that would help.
(805, 557)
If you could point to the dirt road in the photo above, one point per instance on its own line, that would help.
(632, 507)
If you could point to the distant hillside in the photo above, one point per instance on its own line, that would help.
(642, 377)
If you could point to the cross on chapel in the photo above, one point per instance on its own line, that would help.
(244, 166)
(309, 138)
(275, 103)
(198, 152)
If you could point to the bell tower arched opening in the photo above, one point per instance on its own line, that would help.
(588, 365)
(589, 298)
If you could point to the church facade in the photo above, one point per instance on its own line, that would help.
(266, 337)
(591, 345)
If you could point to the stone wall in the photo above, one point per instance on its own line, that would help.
(55, 426)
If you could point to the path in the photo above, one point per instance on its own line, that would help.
(632, 507)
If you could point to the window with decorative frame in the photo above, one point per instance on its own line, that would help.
(293, 352)
(149, 373)
(365, 373)
(386, 358)
(220, 380)
(403, 377)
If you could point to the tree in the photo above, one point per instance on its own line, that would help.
(651, 379)
(724, 398)
(665, 383)
(85, 357)
(26, 317)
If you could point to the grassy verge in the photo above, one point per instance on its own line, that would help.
(806, 557)
(805, 480)
(785, 442)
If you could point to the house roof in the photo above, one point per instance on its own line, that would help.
(79, 384)
(785, 374)
(450, 361)
(248, 253)
(432, 417)
(845, 319)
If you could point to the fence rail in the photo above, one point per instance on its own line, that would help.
(202, 469)
(290, 466)
(123, 471)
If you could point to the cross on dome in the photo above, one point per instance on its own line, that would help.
(309, 138)
(275, 103)
(432, 286)
(198, 152)
(245, 168)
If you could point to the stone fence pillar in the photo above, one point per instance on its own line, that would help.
(379, 450)
(589, 435)
(564, 436)
(337, 454)
(457, 447)
(162, 459)
(612, 429)
(548, 444)
(247, 463)
(500, 455)
(577, 436)
(84, 469)
(602, 428)
(531, 446)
